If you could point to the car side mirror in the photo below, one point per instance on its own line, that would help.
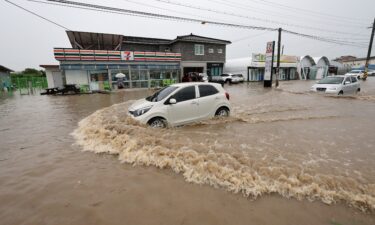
(172, 101)
(347, 82)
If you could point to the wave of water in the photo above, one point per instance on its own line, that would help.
(109, 130)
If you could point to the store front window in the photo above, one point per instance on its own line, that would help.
(256, 74)
(120, 82)
(139, 78)
(99, 80)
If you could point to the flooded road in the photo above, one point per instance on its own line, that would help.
(289, 156)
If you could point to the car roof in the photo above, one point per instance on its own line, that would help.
(186, 84)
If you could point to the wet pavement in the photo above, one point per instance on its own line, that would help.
(298, 156)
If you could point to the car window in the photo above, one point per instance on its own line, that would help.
(161, 94)
(348, 79)
(224, 75)
(185, 94)
(207, 90)
(331, 80)
(354, 79)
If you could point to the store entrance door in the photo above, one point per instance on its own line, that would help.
(193, 69)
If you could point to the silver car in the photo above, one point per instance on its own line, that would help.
(337, 85)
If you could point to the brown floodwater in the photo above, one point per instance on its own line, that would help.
(284, 156)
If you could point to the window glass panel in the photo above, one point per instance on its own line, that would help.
(220, 50)
(125, 82)
(185, 94)
(354, 79)
(348, 79)
(199, 49)
(207, 90)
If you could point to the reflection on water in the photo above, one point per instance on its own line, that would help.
(304, 146)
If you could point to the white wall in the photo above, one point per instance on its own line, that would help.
(54, 81)
(76, 77)
(49, 78)
(321, 63)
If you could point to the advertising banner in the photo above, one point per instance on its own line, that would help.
(269, 61)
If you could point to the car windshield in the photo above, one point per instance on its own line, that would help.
(161, 94)
(331, 80)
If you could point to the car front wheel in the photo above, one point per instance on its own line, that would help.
(157, 123)
(222, 112)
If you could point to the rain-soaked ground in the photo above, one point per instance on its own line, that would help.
(285, 156)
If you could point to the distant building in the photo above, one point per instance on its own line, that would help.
(53, 75)
(5, 82)
(358, 63)
(345, 58)
(96, 58)
(291, 67)
(253, 67)
(312, 68)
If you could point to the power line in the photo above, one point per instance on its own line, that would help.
(35, 14)
(292, 8)
(324, 39)
(157, 7)
(156, 15)
(250, 37)
(247, 17)
(336, 21)
(107, 9)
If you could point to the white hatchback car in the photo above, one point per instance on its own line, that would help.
(358, 73)
(182, 103)
(338, 85)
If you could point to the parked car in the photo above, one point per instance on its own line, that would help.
(240, 77)
(358, 73)
(204, 77)
(225, 78)
(371, 73)
(181, 103)
(337, 85)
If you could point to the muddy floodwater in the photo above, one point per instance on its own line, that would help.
(284, 156)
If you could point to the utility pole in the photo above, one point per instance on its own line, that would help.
(369, 51)
(278, 58)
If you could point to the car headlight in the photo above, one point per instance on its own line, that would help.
(141, 111)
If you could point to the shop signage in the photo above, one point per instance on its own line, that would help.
(127, 55)
(269, 61)
(258, 57)
(62, 54)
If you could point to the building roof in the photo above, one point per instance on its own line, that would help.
(145, 40)
(49, 66)
(90, 40)
(357, 59)
(195, 38)
(102, 41)
(309, 58)
(4, 69)
(324, 58)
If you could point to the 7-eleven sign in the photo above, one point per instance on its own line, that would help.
(127, 55)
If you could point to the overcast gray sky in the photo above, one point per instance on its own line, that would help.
(28, 41)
